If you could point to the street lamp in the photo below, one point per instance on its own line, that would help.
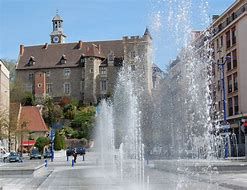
(222, 65)
(225, 126)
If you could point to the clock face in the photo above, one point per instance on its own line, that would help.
(55, 39)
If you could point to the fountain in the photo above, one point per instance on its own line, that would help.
(128, 162)
(181, 124)
(105, 134)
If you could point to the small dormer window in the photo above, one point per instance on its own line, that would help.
(63, 59)
(31, 61)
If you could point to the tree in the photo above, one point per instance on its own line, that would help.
(83, 121)
(41, 142)
(28, 99)
(4, 124)
(17, 92)
(51, 113)
(59, 141)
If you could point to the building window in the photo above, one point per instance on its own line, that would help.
(103, 70)
(47, 73)
(103, 85)
(229, 62)
(222, 59)
(29, 88)
(235, 81)
(48, 88)
(221, 41)
(30, 76)
(132, 54)
(31, 61)
(67, 89)
(133, 67)
(219, 105)
(230, 107)
(234, 58)
(66, 72)
(229, 84)
(217, 44)
(220, 27)
(236, 105)
(63, 59)
(218, 64)
(213, 69)
(91, 70)
(233, 15)
(233, 36)
(228, 40)
(219, 85)
(39, 85)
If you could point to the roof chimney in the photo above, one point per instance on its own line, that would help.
(21, 50)
(79, 44)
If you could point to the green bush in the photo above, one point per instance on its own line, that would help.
(83, 122)
(59, 141)
(28, 99)
(41, 142)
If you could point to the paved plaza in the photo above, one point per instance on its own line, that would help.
(88, 175)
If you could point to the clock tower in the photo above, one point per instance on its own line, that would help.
(57, 35)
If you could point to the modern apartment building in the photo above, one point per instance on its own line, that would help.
(86, 71)
(229, 43)
(4, 104)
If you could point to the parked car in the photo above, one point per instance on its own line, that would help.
(14, 157)
(80, 150)
(47, 154)
(35, 154)
(69, 151)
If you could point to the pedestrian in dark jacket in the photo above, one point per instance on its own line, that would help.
(75, 155)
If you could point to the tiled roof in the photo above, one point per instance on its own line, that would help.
(32, 116)
(48, 56)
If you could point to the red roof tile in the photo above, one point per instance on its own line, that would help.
(32, 116)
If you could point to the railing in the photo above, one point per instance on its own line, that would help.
(229, 19)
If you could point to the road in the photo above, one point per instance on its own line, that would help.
(88, 175)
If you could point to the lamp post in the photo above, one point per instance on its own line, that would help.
(222, 68)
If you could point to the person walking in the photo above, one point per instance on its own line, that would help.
(75, 155)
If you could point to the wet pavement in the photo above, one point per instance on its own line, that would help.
(88, 175)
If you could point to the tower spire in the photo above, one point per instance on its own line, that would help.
(57, 35)
(147, 33)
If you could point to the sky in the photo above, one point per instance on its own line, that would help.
(29, 22)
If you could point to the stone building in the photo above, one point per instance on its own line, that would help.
(230, 47)
(4, 104)
(86, 71)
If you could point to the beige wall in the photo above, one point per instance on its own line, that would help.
(4, 101)
(242, 56)
(4, 87)
(240, 24)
